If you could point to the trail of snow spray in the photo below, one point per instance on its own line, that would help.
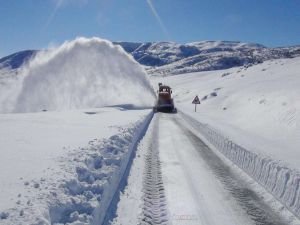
(82, 73)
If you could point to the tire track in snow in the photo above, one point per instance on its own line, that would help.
(255, 207)
(155, 204)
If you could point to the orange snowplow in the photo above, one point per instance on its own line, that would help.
(165, 101)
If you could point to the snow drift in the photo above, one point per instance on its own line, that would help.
(82, 73)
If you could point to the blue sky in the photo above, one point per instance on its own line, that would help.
(35, 24)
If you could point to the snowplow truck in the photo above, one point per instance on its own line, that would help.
(165, 101)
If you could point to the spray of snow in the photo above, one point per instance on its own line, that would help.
(82, 73)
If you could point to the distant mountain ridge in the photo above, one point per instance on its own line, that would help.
(163, 58)
(174, 58)
(17, 59)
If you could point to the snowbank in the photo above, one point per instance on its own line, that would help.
(82, 73)
(65, 167)
(282, 182)
(90, 196)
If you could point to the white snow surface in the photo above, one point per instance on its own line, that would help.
(177, 179)
(251, 115)
(82, 73)
(207, 45)
(257, 107)
(64, 167)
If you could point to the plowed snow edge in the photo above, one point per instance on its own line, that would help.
(279, 180)
(98, 174)
(124, 172)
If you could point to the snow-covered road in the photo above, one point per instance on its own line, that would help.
(177, 179)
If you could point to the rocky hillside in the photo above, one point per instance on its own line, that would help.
(162, 58)
(172, 58)
(15, 60)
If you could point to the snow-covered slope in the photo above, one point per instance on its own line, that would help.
(257, 107)
(16, 60)
(82, 73)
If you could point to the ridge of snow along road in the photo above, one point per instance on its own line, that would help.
(283, 183)
(82, 73)
(73, 185)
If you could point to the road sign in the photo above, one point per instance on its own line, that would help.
(196, 101)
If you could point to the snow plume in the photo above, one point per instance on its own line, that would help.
(82, 73)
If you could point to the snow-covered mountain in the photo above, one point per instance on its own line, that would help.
(15, 60)
(173, 58)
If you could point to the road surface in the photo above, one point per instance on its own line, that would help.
(177, 179)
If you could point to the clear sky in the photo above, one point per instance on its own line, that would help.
(35, 24)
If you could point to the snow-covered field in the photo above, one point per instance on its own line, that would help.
(56, 166)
